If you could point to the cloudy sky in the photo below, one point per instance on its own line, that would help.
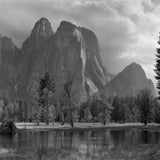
(127, 30)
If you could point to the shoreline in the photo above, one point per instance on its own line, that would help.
(86, 126)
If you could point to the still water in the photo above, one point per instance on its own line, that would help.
(80, 145)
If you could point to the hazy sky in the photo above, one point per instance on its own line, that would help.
(127, 30)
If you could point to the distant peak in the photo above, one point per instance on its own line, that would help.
(43, 19)
(134, 64)
(134, 69)
(5, 38)
(7, 41)
(66, 24)
(42, 28)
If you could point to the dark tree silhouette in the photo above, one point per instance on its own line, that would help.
(67, 89)
(105, 109)
(157, 69)
(45, 87)
(145, 99)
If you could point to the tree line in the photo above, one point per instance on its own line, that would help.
(46, 108)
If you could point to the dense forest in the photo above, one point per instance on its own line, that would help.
(44, 107)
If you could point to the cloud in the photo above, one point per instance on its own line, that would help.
(146, 19)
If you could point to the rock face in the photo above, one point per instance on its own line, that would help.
(9, 61)
(129, 81)
(71, 50)
(33, 55)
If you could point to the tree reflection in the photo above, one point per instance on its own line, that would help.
(80, 145)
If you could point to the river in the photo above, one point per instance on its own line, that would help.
(108, 144)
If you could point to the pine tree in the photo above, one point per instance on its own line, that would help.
(67, 100)
(105, 109)
(6, 102)
(157, 69)
(46, 87)
(145, 101)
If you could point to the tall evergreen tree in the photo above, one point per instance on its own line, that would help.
(6, 102)
(145, 101)
(66, 101)
(105, 109)
(46, 87)
(157, 69)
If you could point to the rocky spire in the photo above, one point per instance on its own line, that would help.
(41, 31)
(42, 28)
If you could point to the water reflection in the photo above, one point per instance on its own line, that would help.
(97, 144)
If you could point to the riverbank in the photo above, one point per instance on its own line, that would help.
(58, 126)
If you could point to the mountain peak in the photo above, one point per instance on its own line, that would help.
(7, 43)
(134, 64)
(134, 69)
(43, 19)
(67, 24)
(42, 28)
(129, 81)
(6, 40)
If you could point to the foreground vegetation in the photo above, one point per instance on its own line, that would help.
(140, 152)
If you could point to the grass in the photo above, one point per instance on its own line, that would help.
(141, 152)
(58, 126)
